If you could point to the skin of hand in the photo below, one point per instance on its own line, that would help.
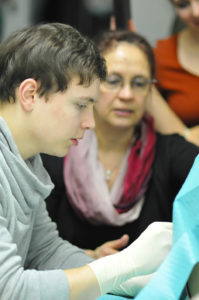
(109, 247)
(83, 283)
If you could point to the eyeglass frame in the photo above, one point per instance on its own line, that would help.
(118, 85)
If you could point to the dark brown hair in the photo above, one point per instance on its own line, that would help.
(108, 39)
(51, 54)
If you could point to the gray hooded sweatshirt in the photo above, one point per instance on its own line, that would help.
(32, 255)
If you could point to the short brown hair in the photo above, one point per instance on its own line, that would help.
(51, 54)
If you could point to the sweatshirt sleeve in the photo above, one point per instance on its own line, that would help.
(41, 277)
(48, 250)
(18, 283)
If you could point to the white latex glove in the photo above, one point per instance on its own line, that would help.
(132, 286)
(140, 258)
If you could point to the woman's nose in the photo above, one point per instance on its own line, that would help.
(125, 92)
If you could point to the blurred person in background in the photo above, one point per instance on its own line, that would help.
(177, 73)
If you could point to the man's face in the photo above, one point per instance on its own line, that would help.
(61, 120)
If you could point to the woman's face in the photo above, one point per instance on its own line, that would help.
(188, 11)
(123, 95)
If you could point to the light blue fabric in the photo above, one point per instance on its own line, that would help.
(170, 279)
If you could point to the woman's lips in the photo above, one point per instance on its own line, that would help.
(123, 112)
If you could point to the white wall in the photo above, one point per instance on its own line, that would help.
(16, 14)
(152, 18)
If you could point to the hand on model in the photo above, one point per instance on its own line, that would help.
(108, 248)
(140, 258)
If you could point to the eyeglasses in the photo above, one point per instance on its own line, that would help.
(138, 84)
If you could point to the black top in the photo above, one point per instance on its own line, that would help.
(173, 160)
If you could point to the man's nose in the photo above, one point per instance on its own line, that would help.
(88, 120)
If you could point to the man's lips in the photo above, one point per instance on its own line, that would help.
(75, 141)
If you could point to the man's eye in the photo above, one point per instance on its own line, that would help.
(81, 106)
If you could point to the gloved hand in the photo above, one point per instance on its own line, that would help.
(132, 286)
(140, 258)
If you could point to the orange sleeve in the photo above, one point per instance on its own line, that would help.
(178, 86)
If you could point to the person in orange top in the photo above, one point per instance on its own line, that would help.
(178, 85)
(177, 72)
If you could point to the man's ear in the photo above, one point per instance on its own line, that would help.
(27, 93)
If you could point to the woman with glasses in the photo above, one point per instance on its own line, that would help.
(121, 176)
(177, 72)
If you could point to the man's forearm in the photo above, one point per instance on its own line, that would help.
(83, 283)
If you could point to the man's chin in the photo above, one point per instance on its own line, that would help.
(60, 153)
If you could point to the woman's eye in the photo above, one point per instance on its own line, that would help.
(113, 80)
(139, 82)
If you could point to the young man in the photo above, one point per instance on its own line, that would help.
(49, 81)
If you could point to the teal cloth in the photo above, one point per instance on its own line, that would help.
(171, 277)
